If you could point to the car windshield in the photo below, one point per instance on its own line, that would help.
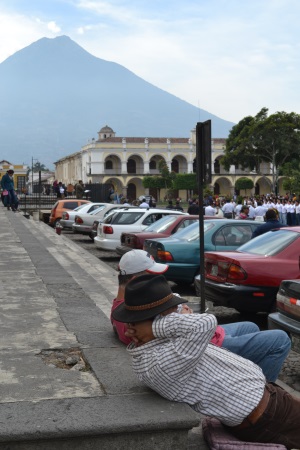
(270, 243)
(161, 225)
(191, 233)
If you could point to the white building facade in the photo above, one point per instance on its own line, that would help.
(124, 161)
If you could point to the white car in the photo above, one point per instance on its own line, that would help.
(68, 217)
(83, 223)
(128, 220)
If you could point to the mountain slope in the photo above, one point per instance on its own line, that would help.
(55, 96)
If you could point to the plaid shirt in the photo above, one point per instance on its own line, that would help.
(182, 366)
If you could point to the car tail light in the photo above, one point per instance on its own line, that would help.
(224, 271)
(236, 273)
(164, 256)
(107, 229)
(66, 216)
(78, 220)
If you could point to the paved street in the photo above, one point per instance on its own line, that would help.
(290, 373)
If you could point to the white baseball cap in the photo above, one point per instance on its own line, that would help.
(136, 261)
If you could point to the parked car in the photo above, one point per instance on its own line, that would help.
(84, 222)
(249, 278)
(182, 250)
(64, 205)
(287, 317)
(164, 227)
(68, 217)
(129, 219)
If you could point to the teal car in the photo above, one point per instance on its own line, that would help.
(181, 251)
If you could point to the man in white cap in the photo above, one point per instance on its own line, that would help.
(132, 264)
(267, 348)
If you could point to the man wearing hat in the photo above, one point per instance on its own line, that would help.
(7, 184)
(172, 354)
(267, 348)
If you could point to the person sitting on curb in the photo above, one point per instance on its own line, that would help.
(172, 354)
(272, 222)
(267, 348)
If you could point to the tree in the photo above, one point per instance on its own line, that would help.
(187, 181)
(244, 183)
(254, 140)
(39, 167)
(291, 171)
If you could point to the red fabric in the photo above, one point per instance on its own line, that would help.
(120, 328)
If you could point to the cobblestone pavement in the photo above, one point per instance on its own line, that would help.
(290, 373)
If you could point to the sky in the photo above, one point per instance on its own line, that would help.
(228, 57)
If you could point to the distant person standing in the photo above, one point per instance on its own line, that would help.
(272, 222)
(144, 204)
(193, 209)
(228, 209)
(79, 189)
(178, 206)
(7, 184)
(210, 210)
(170, 205)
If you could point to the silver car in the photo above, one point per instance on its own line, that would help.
(83, 222)
(68, 217)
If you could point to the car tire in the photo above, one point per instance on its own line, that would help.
(56, 222)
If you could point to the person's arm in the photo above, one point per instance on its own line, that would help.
(187, 337)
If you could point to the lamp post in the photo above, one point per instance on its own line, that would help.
(32, 159)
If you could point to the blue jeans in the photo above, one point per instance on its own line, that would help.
(268, 349)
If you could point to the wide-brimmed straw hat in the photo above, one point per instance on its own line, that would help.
(146, 296)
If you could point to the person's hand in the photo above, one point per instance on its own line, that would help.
(140, 332)
(186, 309)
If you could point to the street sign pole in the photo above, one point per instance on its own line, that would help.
(203, 164)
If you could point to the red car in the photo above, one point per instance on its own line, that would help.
(248, 279)
(162, 228)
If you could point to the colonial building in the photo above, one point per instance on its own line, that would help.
(20, 175)
(124, 161)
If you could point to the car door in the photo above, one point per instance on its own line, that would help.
(230, 237)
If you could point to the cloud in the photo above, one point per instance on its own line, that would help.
(53, 27)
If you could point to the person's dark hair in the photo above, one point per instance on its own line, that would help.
(271, 214)
(124, 279)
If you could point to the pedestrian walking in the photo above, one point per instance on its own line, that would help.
(10, 198)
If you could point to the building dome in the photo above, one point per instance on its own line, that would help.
(106, 132)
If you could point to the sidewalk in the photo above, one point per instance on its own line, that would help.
(55, 302)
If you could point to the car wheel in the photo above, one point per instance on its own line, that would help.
(56, 222)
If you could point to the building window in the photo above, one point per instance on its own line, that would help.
(131, 166)
(21, 182)
(152, 165)
(175, 166)
(108, 164)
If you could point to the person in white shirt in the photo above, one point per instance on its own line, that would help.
(227, 209)
(210, 210)
(144, 204)
(171, 353)
(297, 213)
(260, 210)
(284, 212)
